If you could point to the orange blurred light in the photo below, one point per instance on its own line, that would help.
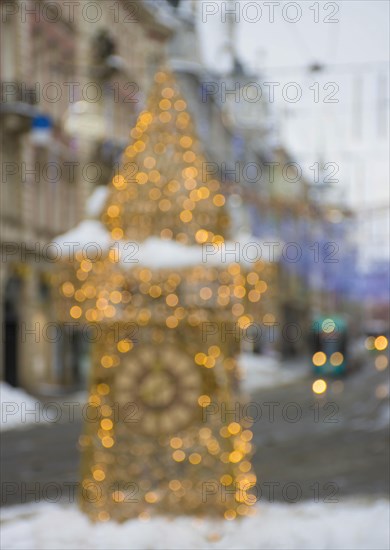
(319, 359)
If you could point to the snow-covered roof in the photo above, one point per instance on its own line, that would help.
(96, 202)
(92, 236)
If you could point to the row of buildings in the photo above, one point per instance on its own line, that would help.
(73, 82)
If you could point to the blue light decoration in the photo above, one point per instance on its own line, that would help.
(41, 129)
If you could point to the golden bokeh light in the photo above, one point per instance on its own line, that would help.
(319, 359)
(381, 343)
(319, 386)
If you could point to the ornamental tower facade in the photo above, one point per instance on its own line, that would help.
(168, 305)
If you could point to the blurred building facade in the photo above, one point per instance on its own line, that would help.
(72, 83)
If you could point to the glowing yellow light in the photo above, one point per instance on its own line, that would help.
(239, 291)
(145, 275)
(151, 497)
(104, 516)
(164, 205)
(113, 211)
(107, 441)
(118, 496)
(107, 361)
(215, 351)
(234, 428)
(176, 442)
(245, 466)
(178, 456)
(224, 432)
(230, 515)
(180, 105)
(203, 192)
(195, 458)
(244, 321)
(381, 343)
(110, 312)
(76, 312)
(186, 216)
(189, 156)
(141, 178)
(252, 278)
(165, 104)
(185, 141)
(262, 286)
(116, 233)
(168, 92)
(119, 182)
(254, 296)
(103, 389)
(124, 346)
(174, 485)
(165, 116)
(155, 291)
(370, 343)
(319, 386)
(79, 295)
(135, 133)
(201, 236)
(139, 146)
(235, 456)
(94, 400)
(190, 173)
(106, 410)
(180, 312)
(149, 162)
(146, 118)
(319, 359)
(99, 475)
(381, 362)
(68, 289)
(336, 358)
(204, 400)
(226, 479)
(115, 296)
(200, 358)
(247, 435)
(205, 293)
(171, 321)
(154, 176)
(101, 303)
(155, 194)
(106, 424)
(209, 362)
(205, 433)
(219, 200)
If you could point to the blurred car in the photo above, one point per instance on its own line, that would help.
(329, 344)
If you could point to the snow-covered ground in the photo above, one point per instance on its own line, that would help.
(349, 525)
(14, 405)
(20, 410)
(260, 371)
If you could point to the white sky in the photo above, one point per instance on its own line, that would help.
(354, 133)
(362, 33)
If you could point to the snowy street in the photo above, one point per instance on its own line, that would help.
(327, 470)
(355, 525)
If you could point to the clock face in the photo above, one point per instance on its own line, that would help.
(163, 384)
